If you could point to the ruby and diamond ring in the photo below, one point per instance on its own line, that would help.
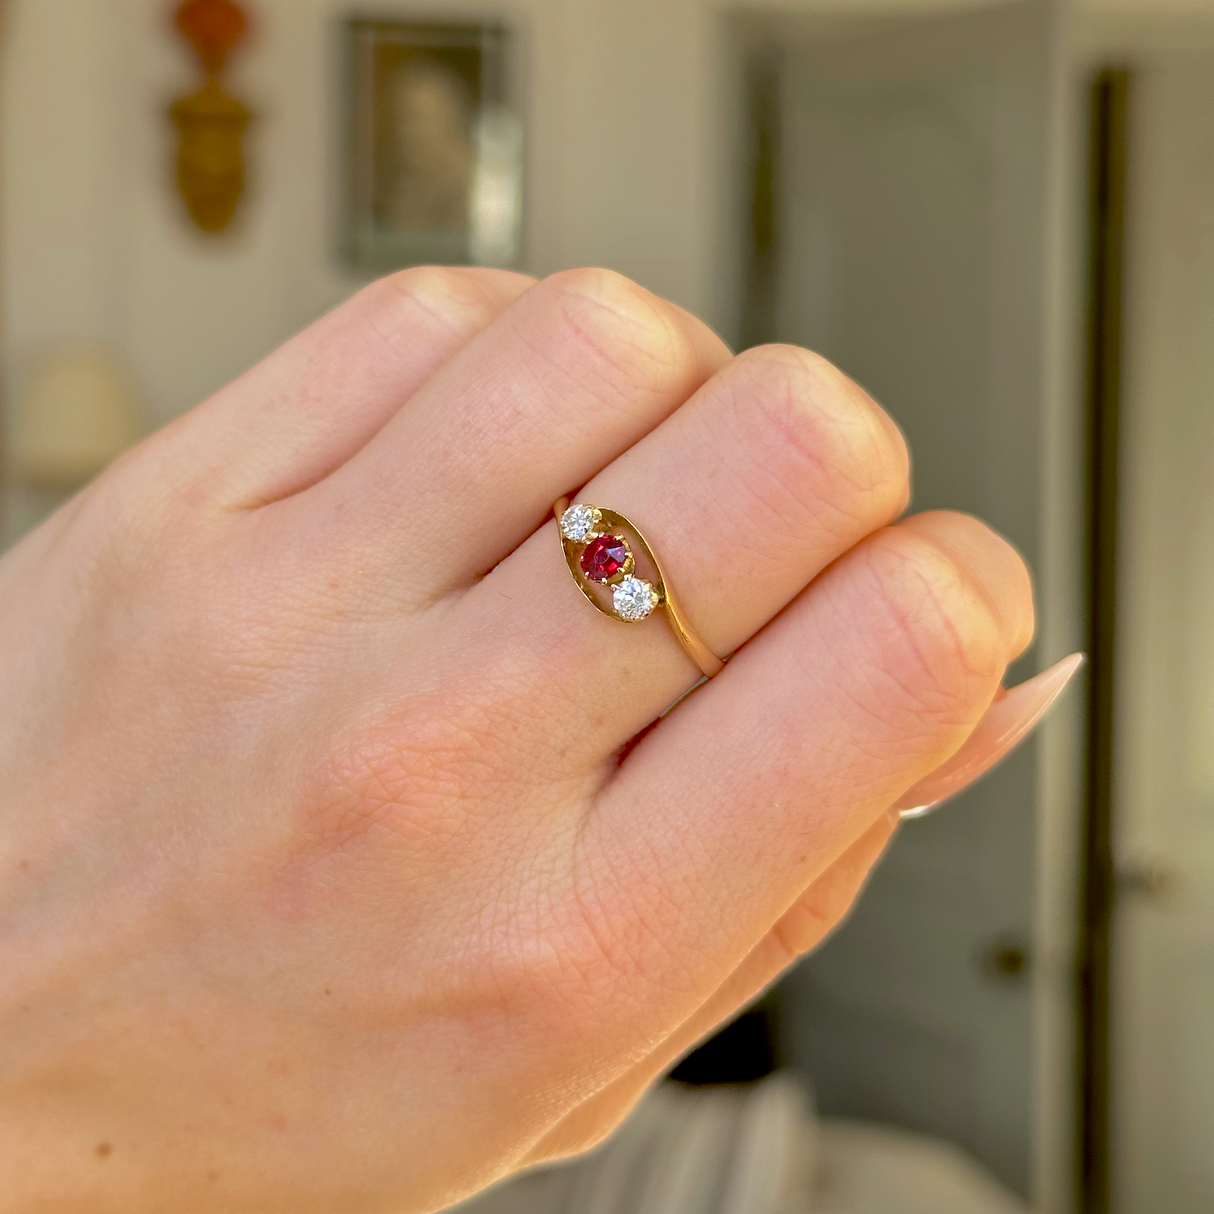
(601, 549)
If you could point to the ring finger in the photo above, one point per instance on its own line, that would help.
(775, 468)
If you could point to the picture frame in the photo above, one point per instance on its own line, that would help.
(434, 149)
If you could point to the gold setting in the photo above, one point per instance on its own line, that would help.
(610, 522)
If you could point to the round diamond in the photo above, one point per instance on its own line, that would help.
(604, 557)
(578, 522)
(634, 598)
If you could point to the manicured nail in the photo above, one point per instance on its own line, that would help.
(1008, 721)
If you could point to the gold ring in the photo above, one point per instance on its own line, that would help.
(604, 565)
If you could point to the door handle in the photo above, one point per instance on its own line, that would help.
(1004, 959)
(1148, 878)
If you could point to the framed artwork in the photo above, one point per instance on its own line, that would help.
(434, 152)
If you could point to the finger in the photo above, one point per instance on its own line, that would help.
(813, 916)
(578, 370)
(747, 790)
(307, 408)
(1004, 725)
(776, 467)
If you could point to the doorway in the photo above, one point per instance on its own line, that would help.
(905, 165)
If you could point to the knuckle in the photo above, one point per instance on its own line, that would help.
(950, 639)
(993, 566)
(627, 331)
(814, 417)
(441, 292)
(603, 288)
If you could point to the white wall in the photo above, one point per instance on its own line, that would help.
(623, 101)
(96, 250)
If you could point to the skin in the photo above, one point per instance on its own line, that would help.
(330, 878)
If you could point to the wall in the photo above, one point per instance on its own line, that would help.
(96, 249)
(624, 104)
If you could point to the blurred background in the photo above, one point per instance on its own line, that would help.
(999, 217)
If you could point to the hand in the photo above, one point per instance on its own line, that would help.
(327, 882)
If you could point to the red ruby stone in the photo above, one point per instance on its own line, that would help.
(604, 557)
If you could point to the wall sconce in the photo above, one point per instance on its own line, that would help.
(210, 122)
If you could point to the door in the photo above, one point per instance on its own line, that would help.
(912, 244)
(1163, 808)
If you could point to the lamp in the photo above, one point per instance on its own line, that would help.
(77, 413)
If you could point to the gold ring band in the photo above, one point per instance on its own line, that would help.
(604, 566)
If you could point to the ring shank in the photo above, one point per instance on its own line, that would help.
(710, 665)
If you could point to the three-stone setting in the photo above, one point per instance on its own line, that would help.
(601, 548)
(603, 556)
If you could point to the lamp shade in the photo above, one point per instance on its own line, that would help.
(77, 413)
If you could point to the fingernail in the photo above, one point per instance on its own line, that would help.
(1007, 722)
